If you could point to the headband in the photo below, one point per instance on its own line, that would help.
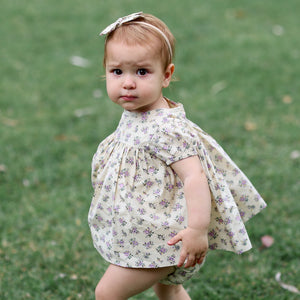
(112, 27)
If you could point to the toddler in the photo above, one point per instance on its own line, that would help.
(164, 191)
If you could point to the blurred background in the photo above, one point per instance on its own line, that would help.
(237, 71)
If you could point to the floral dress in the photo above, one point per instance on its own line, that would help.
(138, 202)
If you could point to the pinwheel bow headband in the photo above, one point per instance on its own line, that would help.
(131, 18)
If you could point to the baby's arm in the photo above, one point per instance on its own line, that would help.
(197, 194)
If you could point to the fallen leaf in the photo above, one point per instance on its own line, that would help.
(250, 126)
(26, 182)
(287, 99)
(3, 168)
(97, 93)
(79, 61)
(295, 154)
(285, 286)
(9, 122)
(81, 112)
(218, 87)
(278, 30)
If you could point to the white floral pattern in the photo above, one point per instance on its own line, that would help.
(138, 202)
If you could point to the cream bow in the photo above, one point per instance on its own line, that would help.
(121, 21)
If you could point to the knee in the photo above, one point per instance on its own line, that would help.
(102, 293)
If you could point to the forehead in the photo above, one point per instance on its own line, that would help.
(120, 52)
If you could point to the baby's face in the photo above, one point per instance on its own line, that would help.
(135, 76)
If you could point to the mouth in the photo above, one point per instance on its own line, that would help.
(128, 98)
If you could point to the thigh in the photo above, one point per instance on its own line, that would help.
(122, 283)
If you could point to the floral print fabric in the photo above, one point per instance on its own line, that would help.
(138, 202)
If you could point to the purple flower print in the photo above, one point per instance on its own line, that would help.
(142, 211)
(154, 217)
(230, 233)
(122, 222)
(144, 116)
(213, 234)
(219, 220)
(140, 200)
(213, 246)
(129, 208)
(140, 264)
(134, 230)
(177, 206)
(171, 259)
(145, 130)
(129, 124)
(130, 160)
(107, 188)
(185, 145)
(98, 218)
(129, 195)
(242, 231)
(148, 232)
(169, 187)
(180, 219)
(128, 254)
(227, 221)
(235, 172)
(133, 242)
(165, 224)
(244, 198)
(164, 203)
(242, 183)
(161, 250)
(153, 265)
(148, 183)
(117, 208)
(172, 234)
(120, 243)
(148, 245)
(137, 141)
(218, 157)
(108, 245)
(219, 200)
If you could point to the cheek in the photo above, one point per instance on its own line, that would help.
(110, 88)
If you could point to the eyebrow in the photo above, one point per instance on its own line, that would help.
(145, 64)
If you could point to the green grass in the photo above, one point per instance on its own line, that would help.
(233, 69)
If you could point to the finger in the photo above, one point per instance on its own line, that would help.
(191, 261)
(182, 258)
(174, 240)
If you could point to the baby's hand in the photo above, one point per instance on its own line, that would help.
(194, 246)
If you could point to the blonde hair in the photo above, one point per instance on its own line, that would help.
(136, 32)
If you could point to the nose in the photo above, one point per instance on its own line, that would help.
(129, 82)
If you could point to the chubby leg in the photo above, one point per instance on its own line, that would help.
(120, 283)
(170, 292)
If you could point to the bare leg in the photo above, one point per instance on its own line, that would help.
(120, 283)
(170, 292)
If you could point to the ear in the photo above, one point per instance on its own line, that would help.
(168, 75)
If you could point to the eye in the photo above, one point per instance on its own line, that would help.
(142, 72)
(117, 72)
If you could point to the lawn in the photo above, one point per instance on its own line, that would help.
(237, 71)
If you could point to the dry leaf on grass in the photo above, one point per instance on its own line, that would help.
(295, 154)
(285, 286)
(218, 87)
(2, 168)
(79, 61)
(287, 99)
(250, 126)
